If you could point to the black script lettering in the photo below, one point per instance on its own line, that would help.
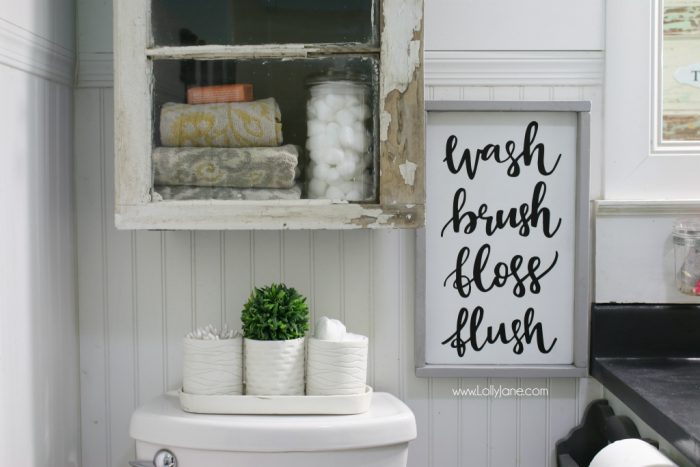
(522, 332)
(530, 151)
(501, 273)
(522, 218)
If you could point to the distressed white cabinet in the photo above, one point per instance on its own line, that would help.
(159, 43)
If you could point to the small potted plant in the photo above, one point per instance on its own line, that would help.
(275, 320)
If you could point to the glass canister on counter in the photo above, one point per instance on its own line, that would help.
(339, 138)
(686, 247)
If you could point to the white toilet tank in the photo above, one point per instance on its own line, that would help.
(377, 438)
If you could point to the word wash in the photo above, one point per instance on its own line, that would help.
(473, 267)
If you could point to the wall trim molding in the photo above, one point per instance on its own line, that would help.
(25, 51)
(443, 68)
(514, 68)
(647, 208)
(95, 70)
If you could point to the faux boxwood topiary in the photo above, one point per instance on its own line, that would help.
(275, 312)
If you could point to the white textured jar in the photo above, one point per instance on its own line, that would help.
(274, 367)
(336, 367)
(213, 367)
(339, 140)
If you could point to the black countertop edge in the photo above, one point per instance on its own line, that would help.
(645, 330)
(654, 405)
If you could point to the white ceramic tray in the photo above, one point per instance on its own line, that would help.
(277, 405)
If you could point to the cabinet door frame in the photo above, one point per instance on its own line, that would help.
(401, 187)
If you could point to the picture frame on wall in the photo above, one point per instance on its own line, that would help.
(503, 263)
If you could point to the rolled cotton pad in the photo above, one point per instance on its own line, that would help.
(631, 453)
(328, 329)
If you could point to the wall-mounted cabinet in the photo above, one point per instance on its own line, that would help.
(265, 114)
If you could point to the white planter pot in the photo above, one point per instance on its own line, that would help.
(336, 368)
(213, 366)
(274, 367)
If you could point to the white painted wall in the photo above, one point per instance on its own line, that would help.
(39, 389)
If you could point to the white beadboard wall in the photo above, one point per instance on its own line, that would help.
(140, 292)
(39, 381)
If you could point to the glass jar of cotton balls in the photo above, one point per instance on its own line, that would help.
(339, 141)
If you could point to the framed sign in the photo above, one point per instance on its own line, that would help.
(503, 261)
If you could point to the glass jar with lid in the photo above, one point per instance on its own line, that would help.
(686, 247)
(339, 138)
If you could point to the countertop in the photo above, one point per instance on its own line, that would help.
(649, 357)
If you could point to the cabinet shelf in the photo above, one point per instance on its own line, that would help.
(221, 52)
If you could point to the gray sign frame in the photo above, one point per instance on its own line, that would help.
(582, 257)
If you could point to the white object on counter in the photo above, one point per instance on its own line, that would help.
(631, 453)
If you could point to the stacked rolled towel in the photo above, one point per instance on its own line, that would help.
(224, 151)
(221, 125)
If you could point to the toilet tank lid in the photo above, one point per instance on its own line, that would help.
(162, 422)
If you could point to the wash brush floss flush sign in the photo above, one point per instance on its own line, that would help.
(500, 237)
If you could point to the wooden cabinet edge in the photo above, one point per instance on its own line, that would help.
(204, 215)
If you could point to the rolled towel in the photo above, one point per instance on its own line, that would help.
(189, 193)
(264, 167)
(329, 329)
(226, 125)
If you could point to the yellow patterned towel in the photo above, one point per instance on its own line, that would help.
(226, 125)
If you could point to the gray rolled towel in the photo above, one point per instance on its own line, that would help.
(226, 167)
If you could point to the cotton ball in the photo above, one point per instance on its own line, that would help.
(334, 192)
(321, 171)
(332, 175)
(316, 155)
(315, 127)
(354, 195)
(317, 142)
(311, 107)
(332, 134)
(346, 136)
(333, 156)
(360, 141)
(310, 170)
(347, 168)
(352, 155)
(323, 111)
(345, 117)
(334, 102)
(317, 187)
